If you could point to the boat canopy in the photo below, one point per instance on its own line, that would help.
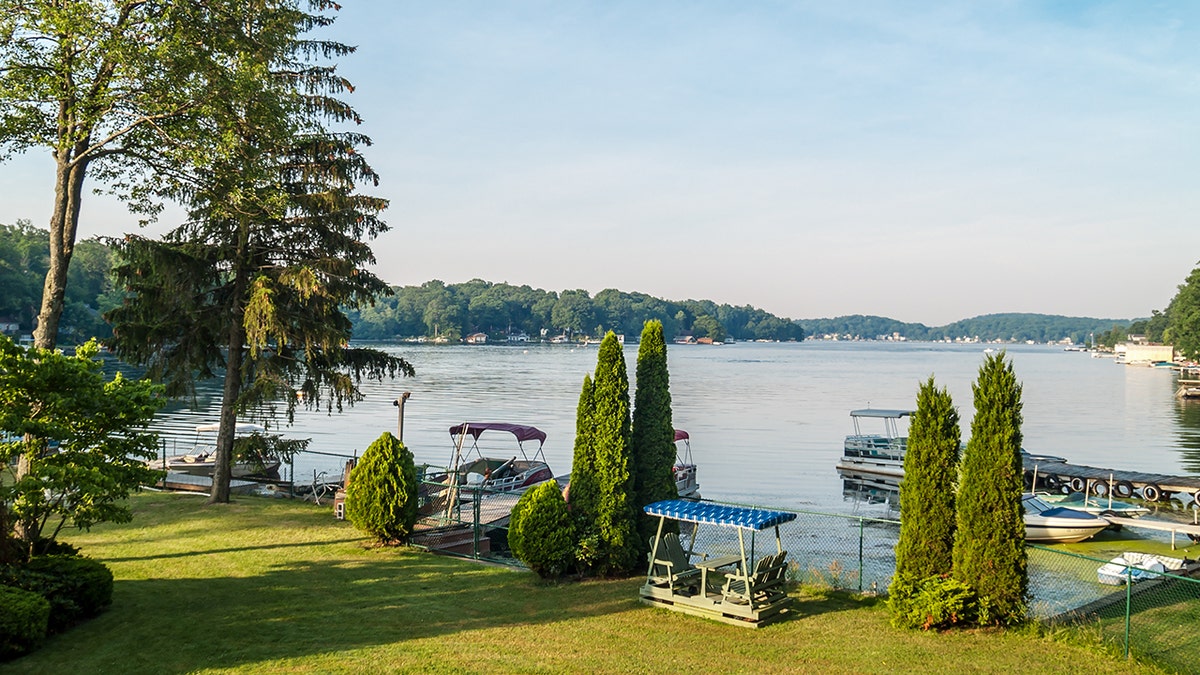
(681, 435)
(241, 429)
(523, 432)
(880, 412)
(741, 517)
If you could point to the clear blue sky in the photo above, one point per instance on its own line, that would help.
(927, 161)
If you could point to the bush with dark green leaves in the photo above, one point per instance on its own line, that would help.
(381, 497)
(541, 531)
(77, 588)
(932, 603)
(23, 620)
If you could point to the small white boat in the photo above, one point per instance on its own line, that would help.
(201, 461)
(1136, 567)
(1046, 523)
(684, 470)
(881, 453)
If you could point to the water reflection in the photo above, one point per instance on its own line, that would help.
(867, 490)
(1187, 430)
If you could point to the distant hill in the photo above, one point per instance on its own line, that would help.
(1013, 327)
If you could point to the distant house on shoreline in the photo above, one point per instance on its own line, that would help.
(476, 339)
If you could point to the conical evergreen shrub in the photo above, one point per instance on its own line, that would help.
(614, 522)
(926, 545)
(381, 497)
(541, 533)
(989, 544)
(652, 439)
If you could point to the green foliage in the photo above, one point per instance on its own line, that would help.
(931, 603)
(541, 532)
(477, 305)
(77, 588)
(101, 431)
(926, 544)
(652, 439)
(24, 617)
(381, 497)
(255, 285)
(1183, 314)
(989, 545)
(614, 521)
(1011, 326)
(583, 488)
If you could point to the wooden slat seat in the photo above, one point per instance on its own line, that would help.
(669, 565)
(764, 586)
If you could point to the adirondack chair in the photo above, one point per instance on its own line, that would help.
(764, 586)
(669, 565)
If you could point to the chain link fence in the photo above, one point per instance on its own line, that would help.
(1152, 615)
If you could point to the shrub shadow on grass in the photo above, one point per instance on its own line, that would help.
(299, 609)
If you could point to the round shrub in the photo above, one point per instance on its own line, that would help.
(541, 531)
(23, 620)
(932, 603)
(77, 588)
(381, 497)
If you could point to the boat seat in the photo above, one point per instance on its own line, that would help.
(669, 565)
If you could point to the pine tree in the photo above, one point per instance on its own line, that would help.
(653, 436)
(582, 491)
(614, 522)
(926, 544)
(989, 544)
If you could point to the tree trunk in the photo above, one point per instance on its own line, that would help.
(226, 434)
(64, 224)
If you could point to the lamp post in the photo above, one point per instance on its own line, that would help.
(399, 403)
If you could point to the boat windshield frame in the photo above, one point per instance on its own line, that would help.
(522, 432)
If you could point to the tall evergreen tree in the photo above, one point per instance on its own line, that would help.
(926, 545)
(582, 492)
(653, 436)
(256, 283)
(989, 544)
(614, 522)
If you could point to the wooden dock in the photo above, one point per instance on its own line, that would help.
(186, 482)
(1056, 475)
(1193, 531)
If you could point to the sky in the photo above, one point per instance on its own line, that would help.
(925, 161)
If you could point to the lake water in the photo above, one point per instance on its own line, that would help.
(767, 420)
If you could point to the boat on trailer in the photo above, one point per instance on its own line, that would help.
(684, 470)
(880, 453)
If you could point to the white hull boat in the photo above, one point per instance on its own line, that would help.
(1048, 524)
(201, 461)
(881, 454)
(1136, 567)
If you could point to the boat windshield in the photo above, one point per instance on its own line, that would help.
(1034, 504)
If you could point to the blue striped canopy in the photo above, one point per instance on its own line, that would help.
(718, 514)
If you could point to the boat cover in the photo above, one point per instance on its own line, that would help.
(880, 412)
(681, 435)
(718, 514)
(523, 432)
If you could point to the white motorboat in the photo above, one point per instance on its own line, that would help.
(879, 453)
(1045, 523)
(201, 461)
(1135, 567)
(684, 470)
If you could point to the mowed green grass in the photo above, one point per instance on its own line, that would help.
(279, 586)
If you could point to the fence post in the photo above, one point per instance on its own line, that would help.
(475, 517)
(860, 554)
(1128, 604)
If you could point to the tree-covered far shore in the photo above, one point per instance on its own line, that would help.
(452, 311)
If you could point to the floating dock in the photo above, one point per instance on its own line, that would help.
(1055, 474)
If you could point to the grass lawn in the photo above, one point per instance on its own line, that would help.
(279, 586)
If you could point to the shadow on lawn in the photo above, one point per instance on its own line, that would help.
(238, 549)
(302, 609)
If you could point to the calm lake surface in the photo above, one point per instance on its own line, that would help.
(767, 420)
